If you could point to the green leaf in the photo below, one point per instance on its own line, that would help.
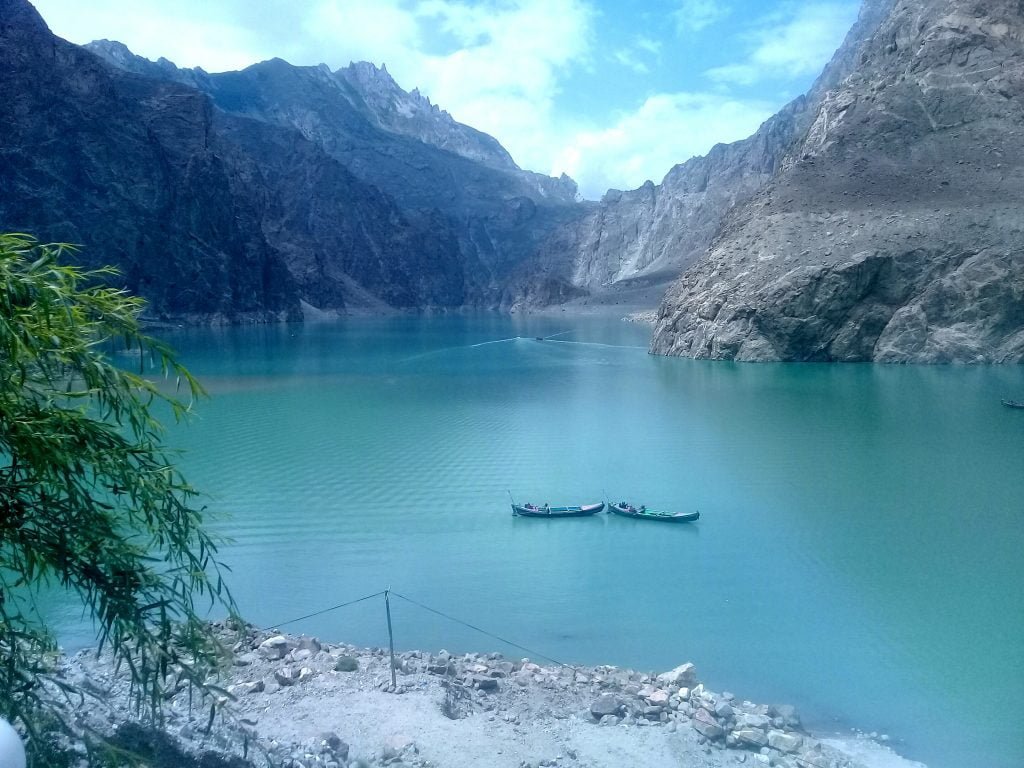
(89, 497)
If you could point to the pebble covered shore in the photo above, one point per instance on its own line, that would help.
(297, 702)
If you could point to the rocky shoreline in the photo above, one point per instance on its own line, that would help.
(297, 702)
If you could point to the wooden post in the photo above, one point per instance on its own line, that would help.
(391, 638)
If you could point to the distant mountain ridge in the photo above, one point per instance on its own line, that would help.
(375, 93)
(272, 193)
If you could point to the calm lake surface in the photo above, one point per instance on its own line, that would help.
(859, 552)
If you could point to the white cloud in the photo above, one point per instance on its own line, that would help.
(695, 15)
(632, 57)
(500, 74)
(343, 31)
(513, 49)
(666, 129)
(628, 59)
(797, 45)
(498, 65)
(154, 30)
(653, 47)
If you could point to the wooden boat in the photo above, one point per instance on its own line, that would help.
(1013, 403)
(532, 510)
(628, 510)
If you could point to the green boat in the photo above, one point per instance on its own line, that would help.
(533, 510)
(624, 509)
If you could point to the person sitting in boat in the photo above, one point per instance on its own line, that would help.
(547, 508)
(643, 508)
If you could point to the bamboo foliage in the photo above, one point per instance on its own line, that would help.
(90, 500)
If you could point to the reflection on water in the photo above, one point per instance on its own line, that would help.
(858, 552)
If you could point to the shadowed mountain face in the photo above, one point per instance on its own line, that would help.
(261, 194)
(893, 229)
(438, 171)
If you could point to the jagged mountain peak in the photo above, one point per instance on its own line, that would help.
(411, 113)
(368, 72)
(369, 89)
(121, 55)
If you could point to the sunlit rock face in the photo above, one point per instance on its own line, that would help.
(653, 233)
(893, 229)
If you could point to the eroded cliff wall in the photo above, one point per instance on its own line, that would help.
(894, 228)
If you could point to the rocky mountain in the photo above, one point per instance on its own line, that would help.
(893, 226)
(373, 93)
(264, 194)
(397, 141)
(649, 235)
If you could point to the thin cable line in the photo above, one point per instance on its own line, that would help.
(325, 610)
(481, 631)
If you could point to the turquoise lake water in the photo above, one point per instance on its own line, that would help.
(859, 553)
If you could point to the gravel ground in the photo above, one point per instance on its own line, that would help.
(297, 702)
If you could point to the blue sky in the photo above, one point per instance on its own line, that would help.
(612, 93)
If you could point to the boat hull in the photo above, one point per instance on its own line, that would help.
(661, 517)
(580, 511)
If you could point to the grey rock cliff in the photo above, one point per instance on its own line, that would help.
(653, 233)
(893, 229)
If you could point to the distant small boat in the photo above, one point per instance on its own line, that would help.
(628, 510)
(532, 510)
(1013, 403)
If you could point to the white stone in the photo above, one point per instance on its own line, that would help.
(683, 675)
(274, 648)
(747, 720)
(751, 736)
(12, 752)
(784, 742)
(658, 698)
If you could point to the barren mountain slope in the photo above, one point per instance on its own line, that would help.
(652, 233)
(894, 230)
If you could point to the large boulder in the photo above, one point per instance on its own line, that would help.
(784, 742)
(346, 664)
(286, 676)
(607, 704)
(275, 648)
(707, 726)
(684, 676)
(751, 737)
